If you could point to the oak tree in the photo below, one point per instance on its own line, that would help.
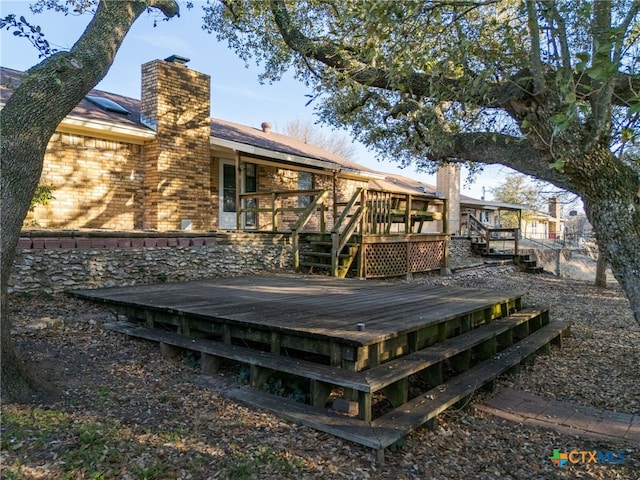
(548, 88)
(46, 94)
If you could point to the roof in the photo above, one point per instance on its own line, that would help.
(239, 137)
(86, 114)
(488, 205)
(400, 184)
(255, 140)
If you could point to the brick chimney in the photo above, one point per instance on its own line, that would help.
(176, 104)
(448, 184)
(554, 207)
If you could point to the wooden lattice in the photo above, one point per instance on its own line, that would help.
(391, 259)
(425, 256)
(385, 259)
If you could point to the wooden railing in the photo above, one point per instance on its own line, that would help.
(272, 203)
(479, 232)
(398, 213)
(406, 212)
(351, 216)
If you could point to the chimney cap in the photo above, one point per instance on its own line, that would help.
(177, 59)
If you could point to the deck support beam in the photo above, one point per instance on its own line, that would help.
(209, 364)
(168, 351)
(486, 349)
(397, 393)
(320, 392)
(504, 340)
(259, 375)
(461, 362)
(364, 406)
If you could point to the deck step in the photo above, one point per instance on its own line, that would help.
(323, 254)
(329, 244)
(391, 427)
(311, 370)
(395, 370)
(304, 263)
(427, 406)
(367, 381)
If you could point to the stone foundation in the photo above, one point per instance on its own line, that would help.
(50, 264)
(460, 252)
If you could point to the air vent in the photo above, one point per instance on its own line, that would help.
(108, 105)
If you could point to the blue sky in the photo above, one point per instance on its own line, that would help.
(237, 95)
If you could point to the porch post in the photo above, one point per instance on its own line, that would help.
(445, 231)
(239, 225)
(334, 192)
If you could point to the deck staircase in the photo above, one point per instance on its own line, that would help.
(316, 254)
(484, 240)
(524, 262)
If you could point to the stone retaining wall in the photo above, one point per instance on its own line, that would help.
(459, 251)
(53, 264)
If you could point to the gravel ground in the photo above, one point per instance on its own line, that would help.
(125, 412)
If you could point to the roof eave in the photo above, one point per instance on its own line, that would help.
(288, 157)
(108, 130)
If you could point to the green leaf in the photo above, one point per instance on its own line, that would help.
(583, 56)
(557, 165)
(597, 72)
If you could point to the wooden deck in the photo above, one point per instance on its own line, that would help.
(316, 311)
(369, 339)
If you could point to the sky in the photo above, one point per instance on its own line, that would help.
(236, 92)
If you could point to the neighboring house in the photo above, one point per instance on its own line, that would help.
(544, 225)
(163, 163)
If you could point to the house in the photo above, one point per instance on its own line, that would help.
(543, 226)
(163, 164)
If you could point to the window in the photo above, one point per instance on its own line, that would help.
(229, 188)
(305, 182)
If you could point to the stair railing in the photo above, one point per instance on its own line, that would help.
(302, 221)
(354, 211)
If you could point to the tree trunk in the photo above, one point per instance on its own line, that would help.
(47, 93)
(601, 270)
(611, 195)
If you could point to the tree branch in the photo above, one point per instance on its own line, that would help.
(499, 149)
(535, 57)
(500, 95)
(622, 29)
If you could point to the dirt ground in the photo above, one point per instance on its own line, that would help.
(124, 412)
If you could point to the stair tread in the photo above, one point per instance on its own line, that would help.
(428, 405)
(323, 254)
(315, 264)
(380, 376)
(388, 429)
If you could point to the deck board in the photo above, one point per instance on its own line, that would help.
(313, 306)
